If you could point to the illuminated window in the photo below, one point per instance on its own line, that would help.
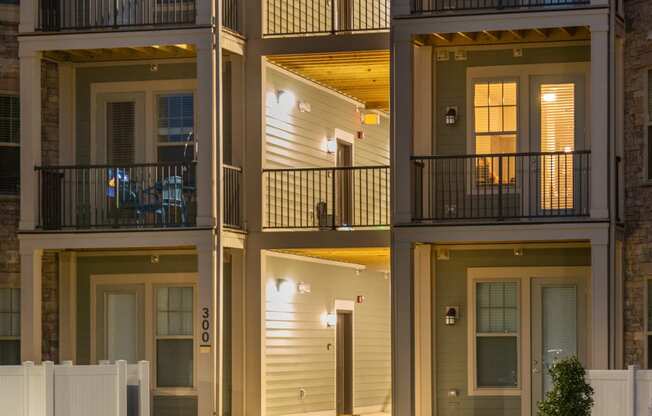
(557, 137)
(495, 130)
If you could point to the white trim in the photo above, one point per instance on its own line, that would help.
(522, 45)
(150, 89)
(139, 62)
(297, 257)
(312, 84)
(343, 305)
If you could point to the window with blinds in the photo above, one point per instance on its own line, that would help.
(121, 132)
(496, 128)
(557, 103)
(174, 337)
(9, 144)
(9, 326)
(496, 332)
(176, 123)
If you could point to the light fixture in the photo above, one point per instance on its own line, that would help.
(285, 99)
(331, 320)
(153, 68)
(285, 287)
(451, 317)
(451, 116)
(331, 145)
(567, 149)
(518, 252)
(549, 97)
(370, 119)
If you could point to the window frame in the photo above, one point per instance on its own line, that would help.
(14, 337)
(12, 145)
(158, 144)
(474, 389)
(472, 186)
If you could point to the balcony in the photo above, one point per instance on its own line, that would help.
(147, 195)
(464, 6)
(323, 17)
(68, 15)
(518, 186)
(339, 198)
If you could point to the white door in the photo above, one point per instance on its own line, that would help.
(558, 328)
(120, 323)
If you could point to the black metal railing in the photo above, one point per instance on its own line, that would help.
(55, 15)
(428, 6)
(117, 196)
(231, 15)
(232, 197)
(306, 17)
(501, 186)
(326, 198)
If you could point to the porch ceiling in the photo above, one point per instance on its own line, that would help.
(487, 37)
(123, 54)
(374, 258)
(363, 75)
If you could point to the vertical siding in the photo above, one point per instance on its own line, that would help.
(451, 341)
(297, 139)
(297, 352)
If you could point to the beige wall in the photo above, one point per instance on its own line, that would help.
(297, 340)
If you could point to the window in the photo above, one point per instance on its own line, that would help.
(174, 337)
(175, 127)
(648, 124)
(495, 131)
(496, 335)
(9, 326)
(9, 144)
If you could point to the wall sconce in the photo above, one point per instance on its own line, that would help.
(331, 146)
(518, 252)
(285, 99)
(451, 317)
(285, 287)
(451, 116)
(331, 320)
(154, 259)
(370, 119)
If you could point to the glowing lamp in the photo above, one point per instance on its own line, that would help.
(450, 318)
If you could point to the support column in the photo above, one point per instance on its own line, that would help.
(403, 372)
(255, 147)
(208, 359)
(423, 331)
(402, 62)
(254, 332)
(31, 289)
(66, 112)
(30, 136)
(28, 17)
(237, 332)
(206, 135)
(599, 121)
(67, 306)
(599, 341)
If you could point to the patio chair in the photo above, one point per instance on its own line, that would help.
(172, 199)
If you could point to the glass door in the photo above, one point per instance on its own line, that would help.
(558, 322)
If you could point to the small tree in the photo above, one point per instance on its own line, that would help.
(571, 395)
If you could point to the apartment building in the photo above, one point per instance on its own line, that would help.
(194, 175)
(507, 129)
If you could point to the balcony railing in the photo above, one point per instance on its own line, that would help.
(55, 15)
(501, 186)
(232, 197)
(326, 198)
(116, 196)
(453, 6)
(313, 17)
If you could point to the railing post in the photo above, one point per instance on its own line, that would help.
(500, 187)
(121, 387)
(143, 393)
(630, 406)
(27, 400)
(48, 374)
(334, 197)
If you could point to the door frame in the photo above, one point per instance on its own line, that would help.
(346, 306)
(150, 281)
(525, 275)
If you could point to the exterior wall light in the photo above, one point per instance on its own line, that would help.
(285, 287)
(451, 116)
(286, 99)
(451, 317)
(331, 146)
(331, 320)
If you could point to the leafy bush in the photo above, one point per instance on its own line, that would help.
(570, 395)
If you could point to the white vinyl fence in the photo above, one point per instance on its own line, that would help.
(621, 392)
(75, 390)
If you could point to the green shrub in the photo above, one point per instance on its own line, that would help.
(570, 395)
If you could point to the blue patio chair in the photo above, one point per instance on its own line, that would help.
(172, 198)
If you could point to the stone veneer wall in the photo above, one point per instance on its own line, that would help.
(638, 194)
(10, 205)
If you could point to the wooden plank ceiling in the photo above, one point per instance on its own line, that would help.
(492, 37)
(374, 258)
(362, 75)
(123, 54)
